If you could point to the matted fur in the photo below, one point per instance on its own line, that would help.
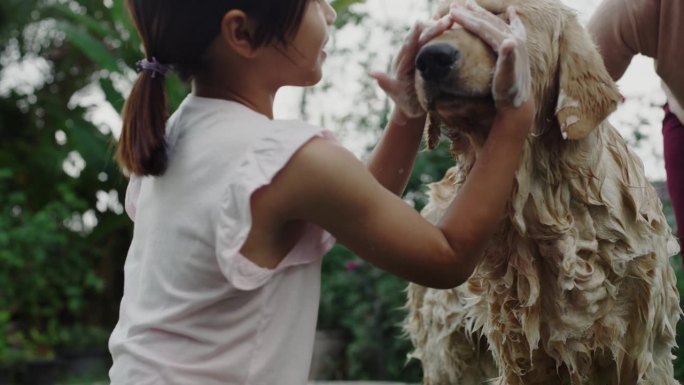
(576, 286)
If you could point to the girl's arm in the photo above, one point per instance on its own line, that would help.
(326, 185)
(392, 159)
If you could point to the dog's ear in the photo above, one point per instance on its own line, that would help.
(587, 94)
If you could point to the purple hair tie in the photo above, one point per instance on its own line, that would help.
(152, 65)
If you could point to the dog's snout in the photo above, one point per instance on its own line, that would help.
(436, 60)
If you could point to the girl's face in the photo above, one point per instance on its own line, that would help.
(306, 50)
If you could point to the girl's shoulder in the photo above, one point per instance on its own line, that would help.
(228, 138)
(230, 118)
(275, 144)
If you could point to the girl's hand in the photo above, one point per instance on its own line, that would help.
(400, 83)
(511, 84)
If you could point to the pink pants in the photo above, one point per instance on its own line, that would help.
(673, 140)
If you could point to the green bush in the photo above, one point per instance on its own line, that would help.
(47, 271)
(367, 304)
(82, 337)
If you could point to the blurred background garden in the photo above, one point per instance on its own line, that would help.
(65, 68)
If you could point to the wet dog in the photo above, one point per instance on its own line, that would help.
(575, 287)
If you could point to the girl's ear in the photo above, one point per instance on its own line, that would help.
(238, 31)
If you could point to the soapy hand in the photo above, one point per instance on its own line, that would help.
(399, 84)
(511, 84)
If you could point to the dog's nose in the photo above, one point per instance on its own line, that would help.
(436, 60)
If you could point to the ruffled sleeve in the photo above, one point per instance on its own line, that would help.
(132, 193)
(259, 166)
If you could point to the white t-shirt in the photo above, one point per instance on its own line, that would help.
(194, 310)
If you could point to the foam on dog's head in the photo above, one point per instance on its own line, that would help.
(567, 73)
(462, 100)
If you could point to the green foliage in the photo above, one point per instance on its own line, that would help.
(81, 337)
(346, 13)
(108, 40)
(48, 271)
(430, 167)
(60, 250)
(367, 304)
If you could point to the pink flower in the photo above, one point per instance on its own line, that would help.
(352, 265)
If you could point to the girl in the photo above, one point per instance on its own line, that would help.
(233, 210)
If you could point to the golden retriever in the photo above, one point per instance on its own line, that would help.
(575, 286)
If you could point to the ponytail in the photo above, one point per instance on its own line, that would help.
(142, 146)
(179, 33)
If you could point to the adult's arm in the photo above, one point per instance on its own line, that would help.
(622, 29)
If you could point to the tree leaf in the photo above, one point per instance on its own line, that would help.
(95, 26)
(113, 96)
(89, 46)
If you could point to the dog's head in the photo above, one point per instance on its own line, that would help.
(572, 89)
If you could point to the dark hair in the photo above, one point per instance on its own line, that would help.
(178, 33)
